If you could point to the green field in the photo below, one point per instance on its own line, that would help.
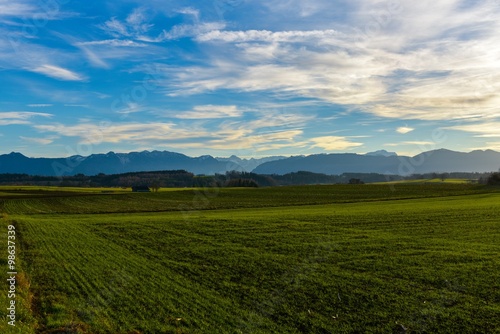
(311, 259)
(435, 180)
(456, 181)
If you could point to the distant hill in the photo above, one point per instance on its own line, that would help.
(381, 162)
(438, 161)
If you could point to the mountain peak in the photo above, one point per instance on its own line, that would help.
(382, 153)
(16, 155)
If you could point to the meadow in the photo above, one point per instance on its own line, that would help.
(399, 258)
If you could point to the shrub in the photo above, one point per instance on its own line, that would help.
(242, 183)
(494, 179)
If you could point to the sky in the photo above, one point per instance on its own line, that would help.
(248, 77)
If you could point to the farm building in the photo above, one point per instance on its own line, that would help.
(141, 189)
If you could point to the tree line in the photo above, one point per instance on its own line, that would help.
(182, 178)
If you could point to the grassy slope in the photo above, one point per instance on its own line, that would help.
(428, 264)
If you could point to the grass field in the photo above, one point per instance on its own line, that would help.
(421, 258)
(436, 180)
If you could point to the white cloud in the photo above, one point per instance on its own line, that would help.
(404, 130)
(482, 129)
(135, 26)
(137, 21)
(211, 111)
(58, 73)
(21, 114)
(190, 11)
(298, 8)
(115, 28)
(94, 58)
(190, 30)
(116, 133)
(41, 141)
(420, 143)
(77, 105)
(330, 36)
(20, 52)
(132, 107)
(404, 61)
(17, 8)
(112, 43)
(101, 53)
(24, 13)
(19, 117)
(330, 75)
(132, 41)
(489, 135)
(40, 105)
(334, 143)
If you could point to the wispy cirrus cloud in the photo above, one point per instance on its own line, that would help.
(135, 25)
(58, 73)
(480, 129)
(332, 36)
(40, 105)
(133, 39)
(113, 43)
(23, 53)
(298, 8)
(211, 111)
(41, 141)
(104, 53)
(419, 143)
(20, 117)
(132, 107)
(115, 133)
(195, 13)
(16, 8)
(26, 14)
(77, 105)
(190, 30)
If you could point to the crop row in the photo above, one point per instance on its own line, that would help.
(223, 198)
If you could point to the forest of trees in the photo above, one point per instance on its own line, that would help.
(494, 179)
(182, 178)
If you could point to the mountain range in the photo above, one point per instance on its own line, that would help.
(382, 162)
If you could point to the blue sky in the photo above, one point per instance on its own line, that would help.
(251, 78)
